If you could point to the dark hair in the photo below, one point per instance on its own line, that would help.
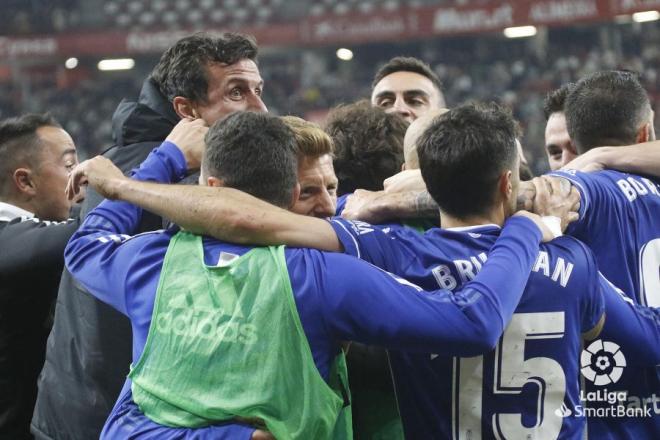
(606, 108)
(554, 101)
(462, 154)
(182, 69)
(19, 144)
(253, 152)
(368, 145)
(406, 64)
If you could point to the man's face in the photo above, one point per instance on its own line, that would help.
(318, 187)
(408, 94)
(232, 88)
(58, 158)
(558, 145)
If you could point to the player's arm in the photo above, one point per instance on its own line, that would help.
(371, 306)
(641, 158)
(224, 213)
(404, 197)
(382, 206)
(99, 254)
(635, 328)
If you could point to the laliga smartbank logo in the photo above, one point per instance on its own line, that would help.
(602, 363)
(563, 411)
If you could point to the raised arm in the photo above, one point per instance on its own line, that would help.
(636, 159)
(224, 213)
(98, 254)
(374, 307)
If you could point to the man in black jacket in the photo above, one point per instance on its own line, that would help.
(36, 156)
(89, 348)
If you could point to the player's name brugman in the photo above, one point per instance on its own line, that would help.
(558, 270)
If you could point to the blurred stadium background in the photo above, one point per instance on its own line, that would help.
(316, 54)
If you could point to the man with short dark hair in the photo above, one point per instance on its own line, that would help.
(224, 331)
(619, 221)
(200, 76)
(210, 77)
(558, 145)
(408, 87)
(368, 145)
(36, 156)
(609, 108)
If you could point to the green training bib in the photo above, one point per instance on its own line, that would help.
(226, 343)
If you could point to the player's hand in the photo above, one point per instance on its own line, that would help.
(365, 205)
(526, 194)
(556, 197)
(407, 180)
(100, 173)
(262, 435)
(188, 135)
(592, 160)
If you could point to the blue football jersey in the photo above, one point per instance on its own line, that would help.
(529, 386)
(620, 221)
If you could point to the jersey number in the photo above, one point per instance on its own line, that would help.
(511, 372)
(649, 268)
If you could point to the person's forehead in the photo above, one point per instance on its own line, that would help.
(556, 126)
(56, 138)
(402, 82)
(316, 168)
(245, 69)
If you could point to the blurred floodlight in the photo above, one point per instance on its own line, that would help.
(344, 54)
(71, 63)
(117, 64)
(520, 31)
(641, 17)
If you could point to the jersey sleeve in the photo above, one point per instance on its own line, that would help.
(374, 307)
(102, 255)
(373, 243)
(165, 164)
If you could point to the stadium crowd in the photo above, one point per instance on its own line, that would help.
(224, 272)
(470, 68)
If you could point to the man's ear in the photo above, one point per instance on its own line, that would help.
(295, 196)
(403, 166)
(505, 184)
(644, 134)
(23, 181)
(184, 107)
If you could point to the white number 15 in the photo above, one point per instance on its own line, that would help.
(511, 372)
